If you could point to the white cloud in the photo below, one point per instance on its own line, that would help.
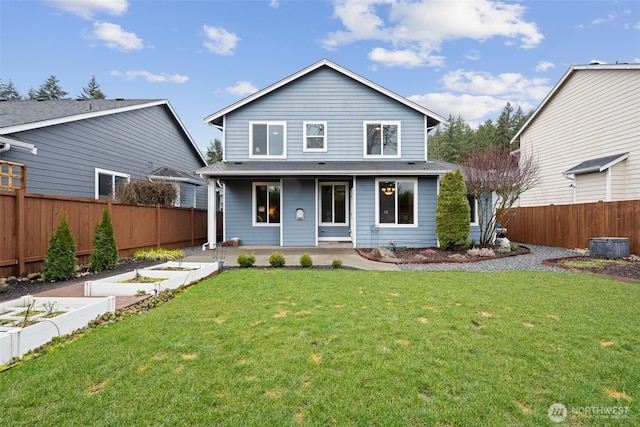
(150, 77)
(476, 96)
(274, 4)
(114, 37)
(423, 26)
(404, 58)
(610, 17)
(469, 107)
(472, 55)
(544, 66)
(87, 8)
(242, 88)
(219, 40)
(504, 84)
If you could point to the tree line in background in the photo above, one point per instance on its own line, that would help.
(50, 89)
(455, 139)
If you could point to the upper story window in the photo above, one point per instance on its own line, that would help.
(397, 202)
(315, 136)
(382, 139)
(107, 182)
(268, 139)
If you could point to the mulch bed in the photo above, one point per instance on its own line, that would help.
(435, 255)
(626, 269)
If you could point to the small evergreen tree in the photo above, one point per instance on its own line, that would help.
(9, 91)
(50, 89)
(214, 152)
(60, 261)
(92, 90)
(105, 251)
(452, 210)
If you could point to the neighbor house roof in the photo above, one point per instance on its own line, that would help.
(24, 115)
(596, 165)
(573, 69)
(168, 174)
(216, 119)
(337, 168)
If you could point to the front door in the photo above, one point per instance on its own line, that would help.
(334, 211)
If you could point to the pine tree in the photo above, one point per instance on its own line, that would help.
(9, 91)
(60, 260)
(92, 90)
(50, 89)
(452, 211)
(214, 152)
(105, 251)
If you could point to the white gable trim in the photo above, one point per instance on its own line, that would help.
(309, 69)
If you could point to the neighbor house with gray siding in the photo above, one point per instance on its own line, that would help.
(586, 137)
(85, 148)
(326, 155)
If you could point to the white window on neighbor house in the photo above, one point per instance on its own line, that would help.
(107, 182)
(473, 211)
(334, 206)
(396, 202)
(315, 136)
(266, 203)
(382, 139)
(268, 139)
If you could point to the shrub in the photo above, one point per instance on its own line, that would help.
(246, 260)
(277, 260)
(159, 254)
(306, 261)
(60, 260)
(336, 263)
(452, 210)
(105, 251)
(147, 193)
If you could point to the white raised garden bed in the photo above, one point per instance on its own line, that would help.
(197, 270)
(15, 340)
(167, 279)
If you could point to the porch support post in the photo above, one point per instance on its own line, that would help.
(211, 213)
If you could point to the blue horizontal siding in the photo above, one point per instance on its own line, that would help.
(325, 95)
(298, 193)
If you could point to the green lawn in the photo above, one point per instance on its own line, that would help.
(339, 347)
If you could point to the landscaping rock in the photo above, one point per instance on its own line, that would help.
(12, 280)
(386, 253)
(4, 287)
(34, 276)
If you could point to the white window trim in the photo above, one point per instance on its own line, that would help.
(346, 202)
(415, 202)
(304, 137)
(113, 174)
(381, 123)
(254, 205)
(476, 222)
(284, 140)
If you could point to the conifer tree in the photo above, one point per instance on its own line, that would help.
(452, 211)
(105, 251)
(60, 260)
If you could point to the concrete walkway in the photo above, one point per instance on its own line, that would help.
(321, 255)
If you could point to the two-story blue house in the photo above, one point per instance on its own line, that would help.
(326, 155)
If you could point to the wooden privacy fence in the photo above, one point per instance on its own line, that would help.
(571, 226)
(28, 220)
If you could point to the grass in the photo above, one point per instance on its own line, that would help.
(593, 263)
(335, 347)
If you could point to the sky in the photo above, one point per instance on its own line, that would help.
(464, 58)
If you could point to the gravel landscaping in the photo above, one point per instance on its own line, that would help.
(531, 261)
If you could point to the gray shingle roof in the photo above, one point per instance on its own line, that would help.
(596, 165)
(14, 113)
(254, 168)
(171, 174)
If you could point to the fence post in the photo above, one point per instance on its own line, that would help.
(21, 237)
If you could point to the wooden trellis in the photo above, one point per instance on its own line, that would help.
(13, 176)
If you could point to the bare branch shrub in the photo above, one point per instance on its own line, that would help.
(503, 175)
(147, 193)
